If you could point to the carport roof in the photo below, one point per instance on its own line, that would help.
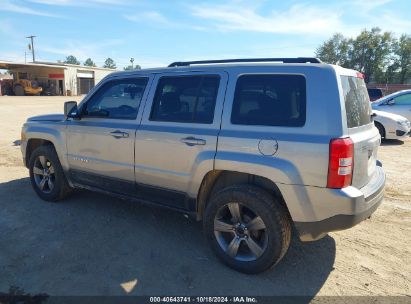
(10, 65)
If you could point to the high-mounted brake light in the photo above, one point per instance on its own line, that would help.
(340, 166)
(360, 75)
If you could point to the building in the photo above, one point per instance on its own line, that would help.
(389, 88)
(58, 78)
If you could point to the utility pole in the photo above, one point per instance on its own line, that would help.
(32, 46)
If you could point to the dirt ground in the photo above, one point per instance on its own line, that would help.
(91, 244)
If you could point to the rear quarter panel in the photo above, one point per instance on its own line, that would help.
(302, 155)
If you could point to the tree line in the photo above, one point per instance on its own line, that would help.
(381, 56)
(108, 63)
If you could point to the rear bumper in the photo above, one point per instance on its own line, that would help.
(362, 207)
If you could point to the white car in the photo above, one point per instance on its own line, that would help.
(397, 103)
(391, 126)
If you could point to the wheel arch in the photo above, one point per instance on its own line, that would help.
(216, 180)
(33, 144)
(37, 134)
(379, 125)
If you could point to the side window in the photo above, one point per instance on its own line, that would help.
(270, 100)
(186, 99)
(403, 100)
(119, 99)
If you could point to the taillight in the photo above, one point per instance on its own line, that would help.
(341, 163)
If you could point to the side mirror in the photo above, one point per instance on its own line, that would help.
(390, 102)
(71, 110)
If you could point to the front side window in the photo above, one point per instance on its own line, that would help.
(403, 100)
(270, 100)
(118, 99)
(185, 99)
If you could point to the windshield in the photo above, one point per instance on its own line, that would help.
(357, 102)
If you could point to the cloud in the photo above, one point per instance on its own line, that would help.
(348, 17)
(365, 6)
(154, 17)
(9, 6)
(298, 19)
(78, 2)
(391, 22)
(80, 49)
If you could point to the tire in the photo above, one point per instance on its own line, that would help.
(380, 128)
(46, 174)
(18, 90)
(268, 224)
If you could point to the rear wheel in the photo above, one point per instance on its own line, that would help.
(18, 90)
(46, 174)
(380, 128)
(247, 228)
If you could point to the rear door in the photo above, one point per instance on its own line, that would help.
(178, 134)
(361, 128)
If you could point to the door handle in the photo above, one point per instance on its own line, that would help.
(119, 134)
(192, 141)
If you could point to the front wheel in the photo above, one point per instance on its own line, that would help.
(18, 90)
(46, 174)
(248, 229)
(380, 128)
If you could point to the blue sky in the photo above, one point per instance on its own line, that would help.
(156, 33)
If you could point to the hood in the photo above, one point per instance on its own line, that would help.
(376, 103)
(390, 115)
(48, 117)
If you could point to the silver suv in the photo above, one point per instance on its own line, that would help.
(252, 147)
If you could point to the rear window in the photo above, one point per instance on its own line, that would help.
(357, 102)
(270, 100)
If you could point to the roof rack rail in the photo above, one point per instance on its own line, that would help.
(283, 60)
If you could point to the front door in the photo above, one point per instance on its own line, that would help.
(176, 142)
(100, 145)
(400, 105)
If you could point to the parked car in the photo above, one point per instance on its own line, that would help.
(391, 126)
(252, 147)
(375, 93)
(397, 103)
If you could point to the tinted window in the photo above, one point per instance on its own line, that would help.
(187, 99)
(118, 99)
(357, 102)
(403, 99)
(375, 93)
(270, 100)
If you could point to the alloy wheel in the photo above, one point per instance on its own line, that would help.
(44, 174)
(240, 232)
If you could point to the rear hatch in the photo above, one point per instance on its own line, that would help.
(361, 128)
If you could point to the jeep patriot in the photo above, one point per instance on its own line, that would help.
(252, 147)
